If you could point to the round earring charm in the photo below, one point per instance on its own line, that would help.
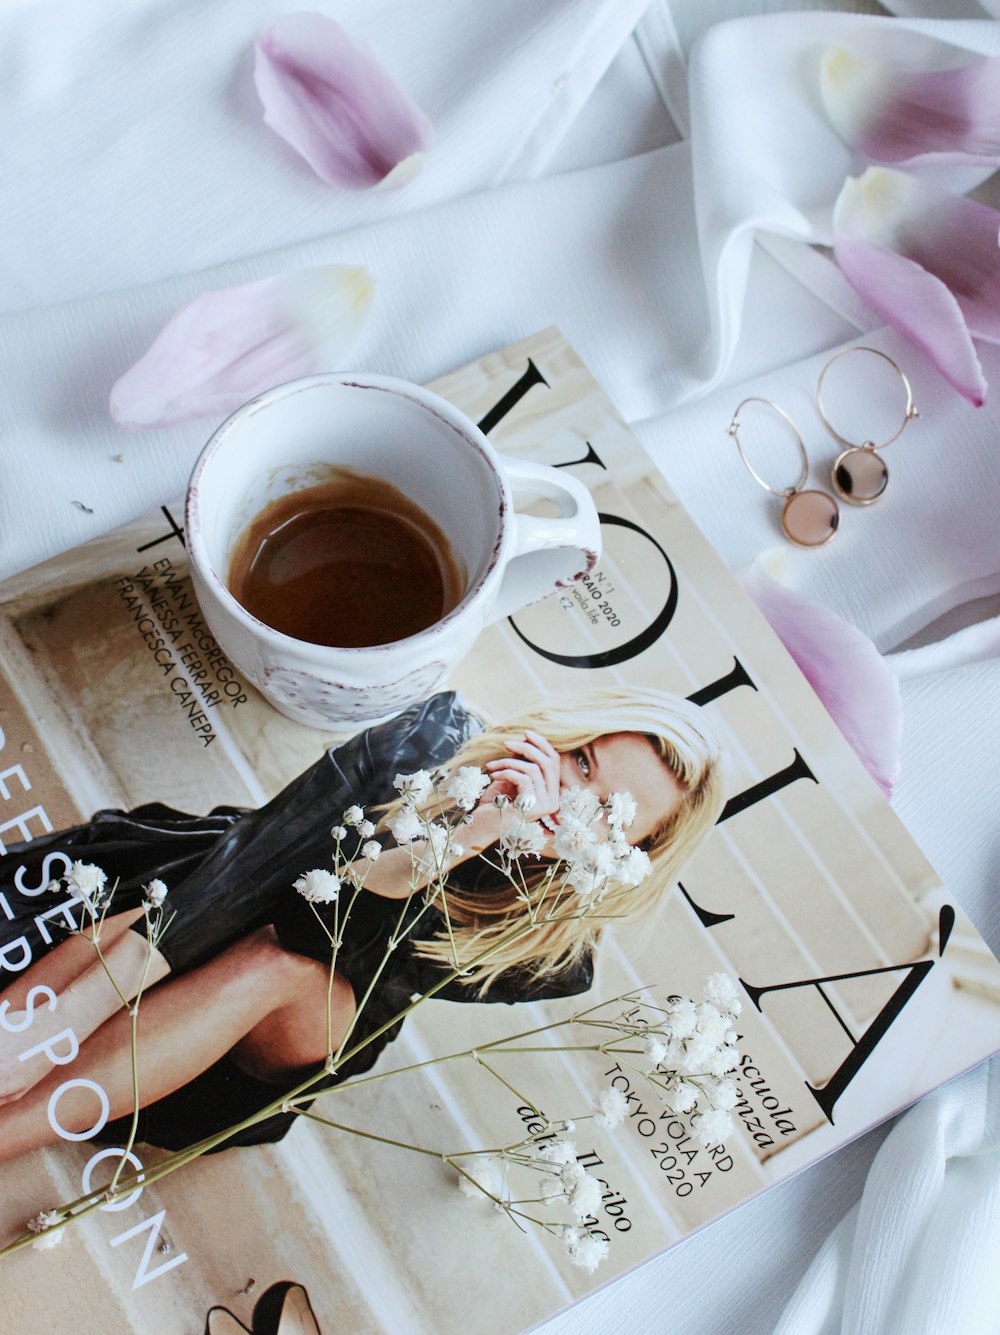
(859, 476)
(808, 518)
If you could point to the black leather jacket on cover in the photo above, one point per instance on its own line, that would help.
(233, 871)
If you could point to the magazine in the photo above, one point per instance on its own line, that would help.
(862, 984)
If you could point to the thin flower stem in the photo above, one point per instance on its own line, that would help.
(134, 1058)
(338, 1057)
(288, 1100)
(548, 881)
(335, 940)
(506, 1206)
(579, 1017)
(172, 1163)
(506, 1083)
(370, 1135)
(94, 1199)
(432, 991)
(490, 1045)
(154, 932)
(574, 1047)
(496, 866)
(495, 1151)
(486, 1151)
(566, 1047)
(111, 978)
(329, 1003)
(134, 1127)
(525, 890)
(438, 879)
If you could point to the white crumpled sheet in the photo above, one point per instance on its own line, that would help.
(560, 191)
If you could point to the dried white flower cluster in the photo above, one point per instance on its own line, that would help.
(466, 786)
(43, 1227)
(591, 861)
(355, 816)
(431, 842)
(586, 861)
(154, 895)
(524, 839)
(318, 886)
(691, 1053)
(612, 1108)
(596, 864)
(586, 1250)
(415, 788)
(563, 1180)
(688, 1050)
(483, 1178)
(406, 825)
(90, 883)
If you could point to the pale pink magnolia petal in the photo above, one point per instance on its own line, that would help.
(331, 100)
(860, 692)
(892, 114)
(928, 261)
(225, 346)
(919, 306)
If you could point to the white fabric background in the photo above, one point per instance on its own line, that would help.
(571, 150)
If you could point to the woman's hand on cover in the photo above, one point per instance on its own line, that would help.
(531, 770)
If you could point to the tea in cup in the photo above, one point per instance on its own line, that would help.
(350, 562)
(351, 535)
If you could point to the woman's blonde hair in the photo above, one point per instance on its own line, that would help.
(481, 920)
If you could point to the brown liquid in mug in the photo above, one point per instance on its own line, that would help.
(349, 563)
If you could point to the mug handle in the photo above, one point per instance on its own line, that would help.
(549, 551)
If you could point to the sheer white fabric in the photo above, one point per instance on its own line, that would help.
(138, 173)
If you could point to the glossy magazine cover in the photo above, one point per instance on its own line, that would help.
(129, 741)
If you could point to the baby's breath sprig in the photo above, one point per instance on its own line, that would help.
(546, 1166)
(89, 884)
(573, 864)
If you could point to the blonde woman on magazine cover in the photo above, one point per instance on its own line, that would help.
(235, 1002)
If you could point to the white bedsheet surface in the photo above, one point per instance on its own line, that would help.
(136, 174)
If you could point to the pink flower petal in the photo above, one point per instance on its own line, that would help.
(919, 306)
(892, 114)
(225, 346)
(330, 99)
(929, 262)
(859, 691)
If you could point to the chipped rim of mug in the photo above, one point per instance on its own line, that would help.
(427, 400)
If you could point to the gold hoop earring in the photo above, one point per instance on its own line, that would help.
(859, 475)
(808, 518)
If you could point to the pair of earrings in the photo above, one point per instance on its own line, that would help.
(859, 476)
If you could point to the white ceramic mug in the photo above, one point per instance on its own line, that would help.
(419, 443)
